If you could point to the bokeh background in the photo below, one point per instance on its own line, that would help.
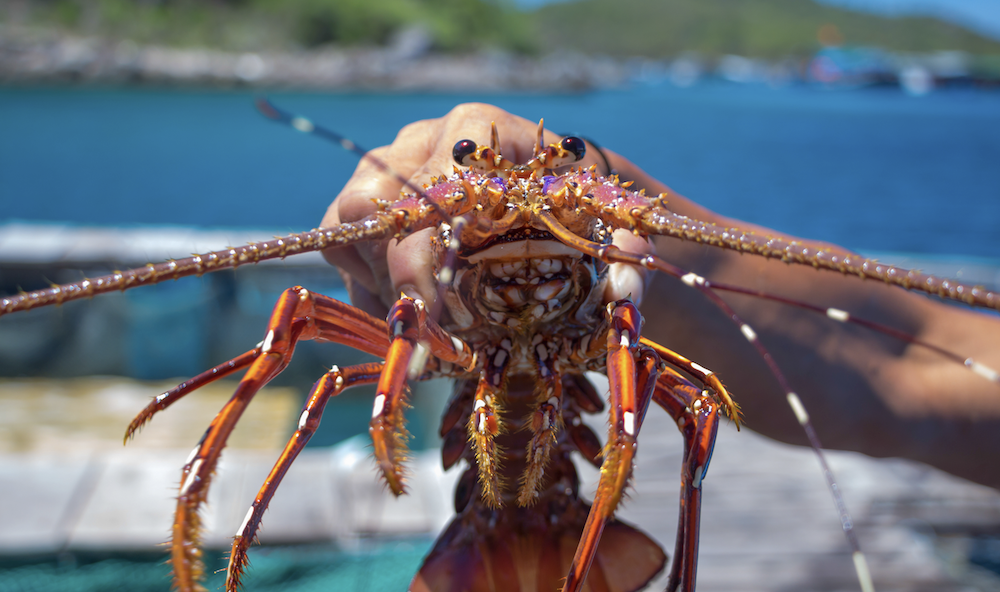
(128, 134)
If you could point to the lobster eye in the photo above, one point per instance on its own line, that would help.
(574, 146)
(463, 149)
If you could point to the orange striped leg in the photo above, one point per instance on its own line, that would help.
(330, 385)
(177, 393)
(703, 374)
(446, 347)
(412, 338)
(697, 417)
(545, 423)
(337, 322)
(631, 384)
(485, 422)
(387, 427)
(297, 315)
(612, 254)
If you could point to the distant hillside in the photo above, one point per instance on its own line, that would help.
(655, 28)
(453, 26)
(760, 28)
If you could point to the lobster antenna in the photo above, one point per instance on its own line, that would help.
(232, 257)
(306, 126)
(842, 316)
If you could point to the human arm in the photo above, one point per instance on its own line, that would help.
(864, 391)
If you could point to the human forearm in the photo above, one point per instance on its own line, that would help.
(865, 391)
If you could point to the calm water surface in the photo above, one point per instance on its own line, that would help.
(871, 169)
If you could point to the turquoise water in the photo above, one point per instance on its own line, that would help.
(386, 565)
(869, 169)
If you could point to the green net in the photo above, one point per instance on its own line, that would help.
(386, 566)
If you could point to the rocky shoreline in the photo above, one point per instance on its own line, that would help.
(34, 57)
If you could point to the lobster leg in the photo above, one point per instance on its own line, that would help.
(631, 387)
(412, 337)
(298, 315)
(703, 374)
(329, 330)
(177, 393)
(545, 423)
(387, 427)
(331, 384)
(697, 417)
(484, 424)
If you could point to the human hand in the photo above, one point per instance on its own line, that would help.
(377, 272)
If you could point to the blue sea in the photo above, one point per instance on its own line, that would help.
(870, 169)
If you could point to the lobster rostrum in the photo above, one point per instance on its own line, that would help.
(532, 293)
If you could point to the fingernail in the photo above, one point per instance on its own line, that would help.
(410, 291)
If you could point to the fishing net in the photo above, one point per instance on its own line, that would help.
(385, 567)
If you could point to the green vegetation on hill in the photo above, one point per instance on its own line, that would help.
(256, 25)
(653, 28)
(760, 28)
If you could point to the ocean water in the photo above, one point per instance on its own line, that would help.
(870, 169)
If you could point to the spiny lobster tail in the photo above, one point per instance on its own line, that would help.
(376, 227)
(514, 551)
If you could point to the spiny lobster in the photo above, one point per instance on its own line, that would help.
(525, 264)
